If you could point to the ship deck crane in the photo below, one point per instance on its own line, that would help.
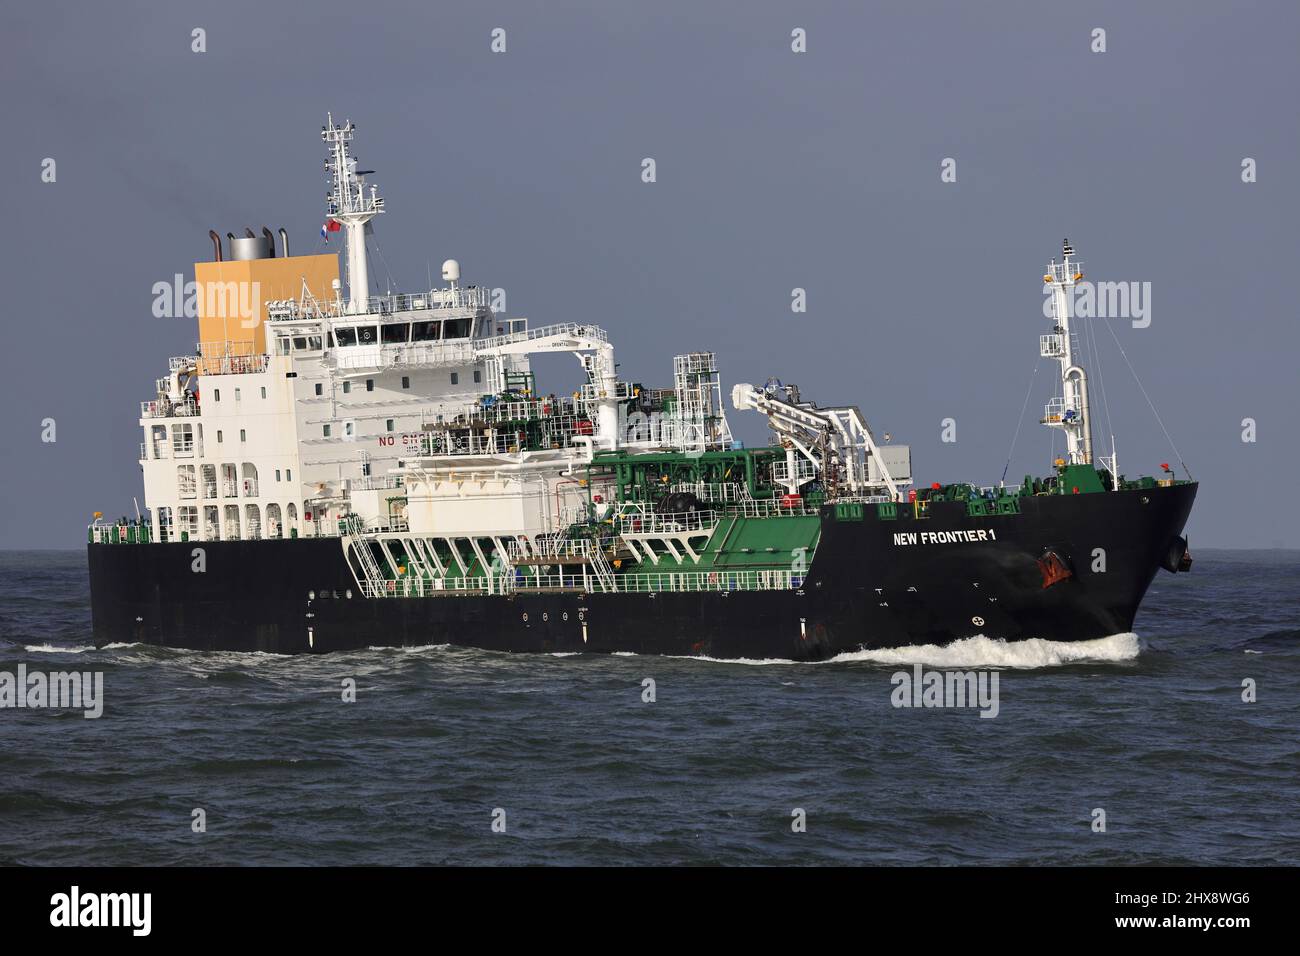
(824, 437)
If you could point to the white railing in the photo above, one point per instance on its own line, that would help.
(470, 299)
(1057, 409)
(803, 469)
(166, 408)
(641, 523)
(414, 586)
(1051, 346)
(230, 364)
(548, 548)
(412, 354)
(769, 508)
(573, 329)
(378, 482)
(720, 580)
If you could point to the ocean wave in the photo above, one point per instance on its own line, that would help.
(981, 651)
(970, 652)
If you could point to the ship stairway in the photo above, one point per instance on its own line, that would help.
(355, 544)
(600, 565)
(587, 554)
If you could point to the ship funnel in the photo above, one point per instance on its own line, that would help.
(243, 248)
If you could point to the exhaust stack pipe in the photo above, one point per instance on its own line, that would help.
(284, 244)
(216, 244)
(270, 242)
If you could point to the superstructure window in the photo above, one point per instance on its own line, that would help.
(216, 394)
(426, 331)
(455, 378)
(318, 388)
(236, 394)
(370, 385)
(300, 342)
(367, 334)
(346, 336)
(388, 424)
(218, 436)
(478, 376)
(264, 387)
(325, 430)
(243, 434)
(347, 388)
(457, 328)
(406, 381)
(396, 332)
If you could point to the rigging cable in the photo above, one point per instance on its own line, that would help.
(1095, 356)
(1150, 404)
(1020, 423)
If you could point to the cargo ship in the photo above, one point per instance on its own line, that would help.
(332, 469)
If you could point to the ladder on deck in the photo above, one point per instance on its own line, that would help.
(353, 538)
(601, 566)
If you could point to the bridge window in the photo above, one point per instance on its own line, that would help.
(426, 331)
(367, 334)
(346, 336)
(396, 332)
(457, 328)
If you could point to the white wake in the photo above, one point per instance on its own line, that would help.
(981, 651)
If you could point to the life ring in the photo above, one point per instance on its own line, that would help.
(392, 587)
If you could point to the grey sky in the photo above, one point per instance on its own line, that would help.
(775, 171)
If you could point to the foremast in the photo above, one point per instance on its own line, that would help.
(1069, 411)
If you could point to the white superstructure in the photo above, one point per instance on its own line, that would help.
(303, 406)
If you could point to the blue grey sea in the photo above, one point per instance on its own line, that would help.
(576, 766)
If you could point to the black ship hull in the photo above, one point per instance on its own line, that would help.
(872, 583)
